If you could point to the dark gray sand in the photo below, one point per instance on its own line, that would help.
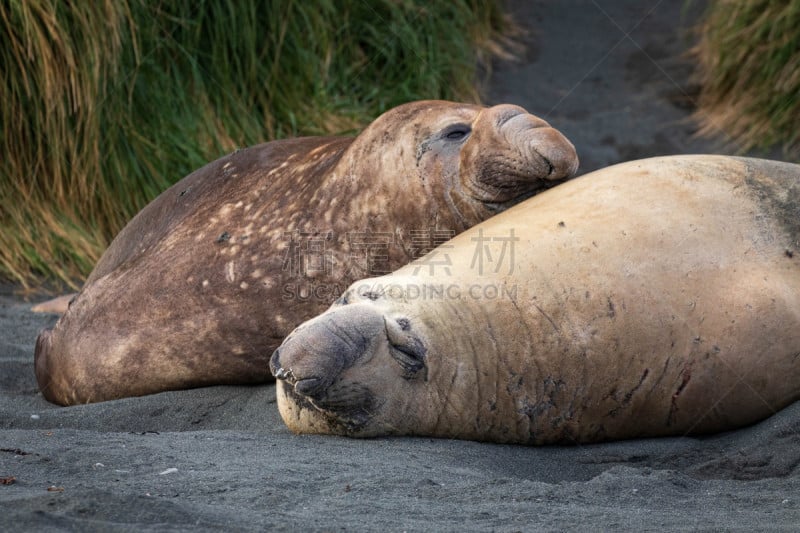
(609, 76)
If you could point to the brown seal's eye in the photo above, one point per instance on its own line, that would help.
(456, 132)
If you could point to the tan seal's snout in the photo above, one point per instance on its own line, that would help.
(314, 355)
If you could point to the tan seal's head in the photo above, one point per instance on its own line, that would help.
(359, 372)
(377, 364)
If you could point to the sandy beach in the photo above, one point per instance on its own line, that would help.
(613, 76)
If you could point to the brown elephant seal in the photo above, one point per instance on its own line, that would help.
(202, 285)
(656, 297)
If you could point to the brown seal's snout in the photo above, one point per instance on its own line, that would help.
(313, 356)
(536, 139)
(512, 155)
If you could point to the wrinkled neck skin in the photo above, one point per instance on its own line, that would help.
(469, 376)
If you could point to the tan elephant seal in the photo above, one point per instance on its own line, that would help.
(656, 297)
(202, 285)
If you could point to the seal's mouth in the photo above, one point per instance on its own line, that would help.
(346, 408)
(520, 193)
(312, 387)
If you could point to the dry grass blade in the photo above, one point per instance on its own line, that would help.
(749, 71)
(105, 104)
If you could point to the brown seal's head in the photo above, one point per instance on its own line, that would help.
(475, 160)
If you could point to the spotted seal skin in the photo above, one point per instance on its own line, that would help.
(193, 291)
(656, 297)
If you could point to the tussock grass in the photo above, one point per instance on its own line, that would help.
(104, 104)
(749, 72)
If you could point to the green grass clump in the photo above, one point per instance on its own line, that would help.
(104, 104)
(749, 72)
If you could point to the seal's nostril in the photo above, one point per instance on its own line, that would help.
(284, 375)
